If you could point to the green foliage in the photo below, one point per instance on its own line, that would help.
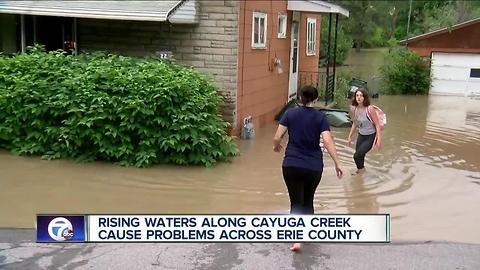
(360, 24)
(130, 111)
(344, 43)
(405, 72)
(392, 42)
(340, 96)
(476, 12)
(378, 39)
(439, 17)
(373, 23)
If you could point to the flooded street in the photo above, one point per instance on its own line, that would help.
(426, 176)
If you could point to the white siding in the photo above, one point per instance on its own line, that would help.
(451, 74)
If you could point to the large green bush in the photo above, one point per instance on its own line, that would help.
(126, 110)
(405, 72)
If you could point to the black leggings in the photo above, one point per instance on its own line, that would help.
(364, 144)
(301, 184)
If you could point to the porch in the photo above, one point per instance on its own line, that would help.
(324, 81)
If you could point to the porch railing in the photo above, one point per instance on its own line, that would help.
(319, 80)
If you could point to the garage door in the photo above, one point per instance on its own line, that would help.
(455, 74)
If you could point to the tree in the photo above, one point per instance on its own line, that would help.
(463, 11)
(439, 17)
(377, 23)
(392, 10)
(344, 41)
(360, 24)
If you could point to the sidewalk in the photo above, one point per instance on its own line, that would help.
(19, 251)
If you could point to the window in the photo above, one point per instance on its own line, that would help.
(311, 33)
(259, 30)
(282, 26)
(475, 73)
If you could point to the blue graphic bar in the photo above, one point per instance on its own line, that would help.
(61, 228)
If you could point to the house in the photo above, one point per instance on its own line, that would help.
(455, 58)
(255, 50)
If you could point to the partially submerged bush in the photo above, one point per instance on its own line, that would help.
(105, 107)
(405, 72)
(341, 92)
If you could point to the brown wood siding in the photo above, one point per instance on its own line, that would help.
(465, 39)
(427, 52)
(262, 91)
(308, 63)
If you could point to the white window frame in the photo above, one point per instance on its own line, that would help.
(282, 26)
(311, 36)
(260, 44)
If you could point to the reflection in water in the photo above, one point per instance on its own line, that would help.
(359, 196)
(426, 176)
(452, 133)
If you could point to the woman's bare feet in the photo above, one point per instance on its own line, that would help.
(296, 247)
(359, 171)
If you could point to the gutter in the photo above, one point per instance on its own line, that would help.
(175, 8)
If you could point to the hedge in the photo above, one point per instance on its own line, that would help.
(126, 110)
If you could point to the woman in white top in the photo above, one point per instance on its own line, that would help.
(366, 121)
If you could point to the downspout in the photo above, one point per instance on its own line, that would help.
(169, 44)
(22, 33)
(34, 30)
(243, 50)
(63, 35)
(75, 36)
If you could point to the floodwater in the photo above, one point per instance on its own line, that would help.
(426, 176)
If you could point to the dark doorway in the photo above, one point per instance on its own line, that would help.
(52, 32)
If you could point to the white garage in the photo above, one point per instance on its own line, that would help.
(455, 74)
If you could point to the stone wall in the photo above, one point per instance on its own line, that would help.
(210, 46)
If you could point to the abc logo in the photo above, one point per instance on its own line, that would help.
(60, 229)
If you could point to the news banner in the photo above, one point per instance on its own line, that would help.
(214, 228)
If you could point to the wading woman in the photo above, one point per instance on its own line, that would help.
(366, 121)
(303, 162)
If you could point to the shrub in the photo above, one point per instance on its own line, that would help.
(340, 95)
(392, 43)
(126, 110)
(405, 72)
(378, 39)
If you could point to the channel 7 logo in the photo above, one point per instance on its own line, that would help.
(60, 228)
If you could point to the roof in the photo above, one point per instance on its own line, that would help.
(316, 6)
(441, 31)
(116, 10)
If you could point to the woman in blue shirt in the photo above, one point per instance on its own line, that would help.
(303, 162)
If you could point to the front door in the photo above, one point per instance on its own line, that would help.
(293, 79)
